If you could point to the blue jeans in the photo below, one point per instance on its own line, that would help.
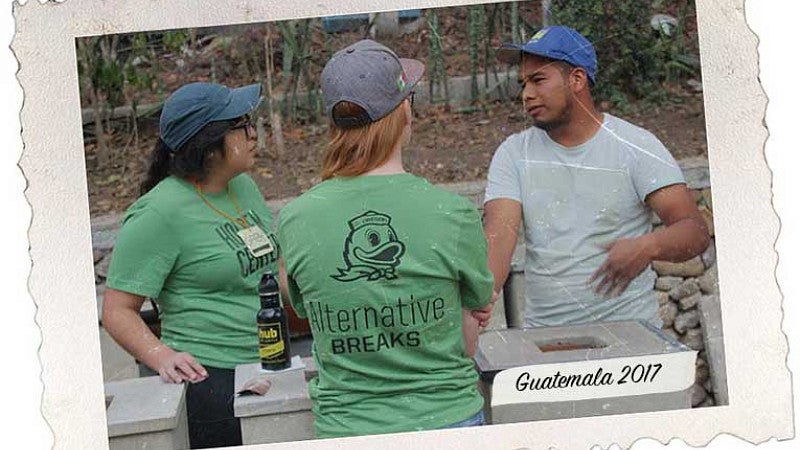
(478, 419)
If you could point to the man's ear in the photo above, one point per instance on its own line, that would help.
(578, 80)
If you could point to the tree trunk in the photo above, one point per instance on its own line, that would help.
(275, 118)
(547, 6)
(473, 26)
(438, 74)
(289, 45)
(88, 63)
(385, 25)
(515, 35)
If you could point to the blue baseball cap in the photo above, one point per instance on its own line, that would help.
(195, 105)
(557, 42)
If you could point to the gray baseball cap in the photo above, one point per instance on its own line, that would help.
(195, 105)
(371, 76)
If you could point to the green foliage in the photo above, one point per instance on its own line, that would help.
(634, 60)
(114, 62)
(109, 79)
(175, 40)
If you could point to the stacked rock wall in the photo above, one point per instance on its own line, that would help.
(688, 299)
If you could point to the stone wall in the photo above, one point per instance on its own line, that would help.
(688, 298)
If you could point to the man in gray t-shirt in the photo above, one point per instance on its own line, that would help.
(584, 183)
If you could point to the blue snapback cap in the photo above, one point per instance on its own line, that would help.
(195, 105)
(556, 42)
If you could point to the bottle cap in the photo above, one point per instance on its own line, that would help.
(268, 284)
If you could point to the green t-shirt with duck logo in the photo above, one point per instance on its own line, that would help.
(174, 247)
(382, 267)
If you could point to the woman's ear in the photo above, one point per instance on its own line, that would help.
(213, 158)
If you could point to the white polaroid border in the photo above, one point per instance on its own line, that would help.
(62, 280)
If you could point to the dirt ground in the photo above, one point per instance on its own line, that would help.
(446, 146)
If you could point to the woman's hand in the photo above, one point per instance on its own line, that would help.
(178, 367)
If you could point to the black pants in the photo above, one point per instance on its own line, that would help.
(209, 406)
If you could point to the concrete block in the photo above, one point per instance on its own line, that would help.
(514, 299)
(283, 414)
(506, 349)
(711, 322)
(285, 427)
(514, 288)
(311, 369)
(592, 407)
(146, 413)
(498, 320)
(117, 363)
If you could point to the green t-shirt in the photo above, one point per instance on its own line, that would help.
(382, 267)
(173, 247)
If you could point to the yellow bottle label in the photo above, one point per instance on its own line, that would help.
(270, 341)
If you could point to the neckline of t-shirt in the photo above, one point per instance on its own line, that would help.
(223, 194)
(580, 148)
(377, 177)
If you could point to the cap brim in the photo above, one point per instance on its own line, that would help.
(241, 101)
(413, 70)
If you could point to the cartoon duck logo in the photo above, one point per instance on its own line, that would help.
(371, 250)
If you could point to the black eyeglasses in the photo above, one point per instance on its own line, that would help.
(245, 123)
(411, 98)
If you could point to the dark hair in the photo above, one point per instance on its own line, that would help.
(190, 160)
(567, 67)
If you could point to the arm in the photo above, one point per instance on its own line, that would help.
(470, 327)
(122, 321)
(502, 219)
(283, 280)
(684, 236)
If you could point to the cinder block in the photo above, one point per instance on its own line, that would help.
(283, 414)
(146, 413)
(507, 349)
(498, 320)
(117, 363)
(711, 321)
(514, 288)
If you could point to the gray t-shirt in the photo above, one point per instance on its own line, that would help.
(573, 201)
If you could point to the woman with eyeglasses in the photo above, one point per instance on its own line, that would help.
(387, 267)
(194, 241)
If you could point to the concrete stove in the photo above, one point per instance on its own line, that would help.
(584, 370)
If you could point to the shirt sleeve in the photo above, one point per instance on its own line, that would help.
(144, 254)
(474, 278)
(654, 168)
(295, 296)
(503, 179)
